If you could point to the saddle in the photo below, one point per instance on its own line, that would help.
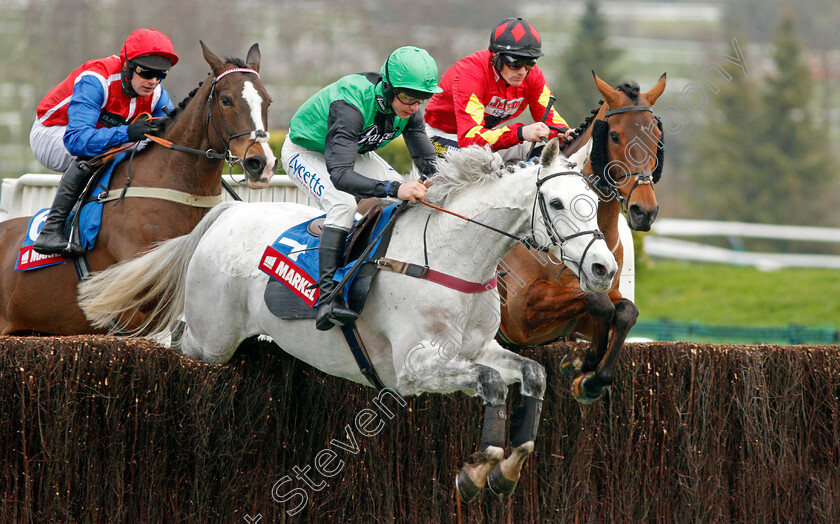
(359, 236)
(285, 304)
(86, 219)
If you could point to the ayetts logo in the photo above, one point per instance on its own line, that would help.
(310, 179)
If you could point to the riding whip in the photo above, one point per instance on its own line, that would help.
(548, 106)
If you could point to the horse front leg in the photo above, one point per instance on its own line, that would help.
(589, 387)
(428, 369)
(600, 310)
(525, 418)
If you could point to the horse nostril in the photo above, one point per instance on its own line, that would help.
(636, 211)
(599, 270)
(254, 165)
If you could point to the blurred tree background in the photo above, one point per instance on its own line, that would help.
(760, 147)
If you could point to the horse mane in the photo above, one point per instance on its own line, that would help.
(175, 113)
(466, 167)
(629, 88)
(578, 131)
(235, 62)
(172, 115)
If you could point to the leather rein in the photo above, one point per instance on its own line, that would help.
(530, 240)
(220, 129)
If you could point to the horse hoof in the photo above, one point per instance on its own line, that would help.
(466, 488)
(581, 394)
(571, 364)
(498, 484)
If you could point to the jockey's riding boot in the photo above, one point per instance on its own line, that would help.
(52, 240)
(330, 257)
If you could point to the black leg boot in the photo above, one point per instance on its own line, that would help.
(52, 240)
(330, 258)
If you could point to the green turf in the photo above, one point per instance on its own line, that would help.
(737, 296)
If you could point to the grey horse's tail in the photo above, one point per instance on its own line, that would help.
(152, 283)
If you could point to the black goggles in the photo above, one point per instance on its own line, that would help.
(149, 74)
(515, 63)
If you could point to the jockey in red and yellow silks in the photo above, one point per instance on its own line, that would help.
(477, 98)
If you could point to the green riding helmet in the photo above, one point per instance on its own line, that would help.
(412, 70)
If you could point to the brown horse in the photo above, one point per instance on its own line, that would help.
(224, 119)
(541, 300)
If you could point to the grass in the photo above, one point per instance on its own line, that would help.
(737, 296)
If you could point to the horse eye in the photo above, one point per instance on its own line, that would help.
(615, 137)
(226, 101)
(556, 203)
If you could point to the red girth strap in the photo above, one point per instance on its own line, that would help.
(416, 271)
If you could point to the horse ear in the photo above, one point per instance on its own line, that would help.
(216, 64)
(253, 58)
(607, 91)
(581, 155)
(550, 151)
(656, 90)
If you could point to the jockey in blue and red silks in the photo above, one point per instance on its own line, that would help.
(89, 113)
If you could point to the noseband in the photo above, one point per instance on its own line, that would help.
(221, 129)
(556, 238)
(600, 130)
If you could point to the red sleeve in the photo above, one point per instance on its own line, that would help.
(470, 93)
(538, 95)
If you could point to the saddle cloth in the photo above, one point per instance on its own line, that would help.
(90, 219)
(292, 263)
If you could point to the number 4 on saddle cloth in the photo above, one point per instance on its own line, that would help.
(90, 218)
(292, 263)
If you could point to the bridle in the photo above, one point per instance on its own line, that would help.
(530, 240)
(221, 129)
(600, 130)
(556, 238)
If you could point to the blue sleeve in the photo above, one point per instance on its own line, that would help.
(82, 138)
(163, 101)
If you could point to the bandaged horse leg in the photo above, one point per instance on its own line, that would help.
(523, 432)
(473, 475)
(525, 419)
(427, 369)
(589, 387)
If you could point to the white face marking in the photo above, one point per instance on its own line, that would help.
(252, 96)
(254, 100)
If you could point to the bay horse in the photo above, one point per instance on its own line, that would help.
(224, 119)
(421, 336)
(542, 302)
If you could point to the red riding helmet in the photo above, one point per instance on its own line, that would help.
(516, 37)
(152, 48)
